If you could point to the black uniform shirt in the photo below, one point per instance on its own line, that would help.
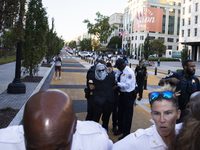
(141, 72)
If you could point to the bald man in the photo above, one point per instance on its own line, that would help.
(193, 97)
(50, 123)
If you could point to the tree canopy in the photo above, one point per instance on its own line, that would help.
(34, 48)
(158, 47)
(147, 47)
(85, 44)
(113, 41)
(101, 28)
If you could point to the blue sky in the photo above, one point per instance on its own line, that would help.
(69, 14)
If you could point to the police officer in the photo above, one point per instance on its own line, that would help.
(125, 79)
(186, 82)
(140, 72)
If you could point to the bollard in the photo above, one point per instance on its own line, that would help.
(92, 62)
(112, 61)
(155, 70)
(169, 71)
(145, 83)
(130, 65)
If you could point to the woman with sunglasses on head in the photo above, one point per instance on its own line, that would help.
(165, 112)
(189, 135)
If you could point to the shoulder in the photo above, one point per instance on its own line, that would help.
(138, 140)
(12, 138)
(174, 74)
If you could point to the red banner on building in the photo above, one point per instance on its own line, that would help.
(148, 19)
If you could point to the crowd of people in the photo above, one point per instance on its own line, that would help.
(50, 122)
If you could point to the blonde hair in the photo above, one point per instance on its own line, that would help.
(167, 87)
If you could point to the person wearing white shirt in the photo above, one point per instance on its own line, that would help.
(50, 123)
(125, 79)
(58, 62)
(165, 111)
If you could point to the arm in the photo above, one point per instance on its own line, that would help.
(171, 79)
(130, 80)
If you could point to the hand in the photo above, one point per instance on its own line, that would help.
(174, 80)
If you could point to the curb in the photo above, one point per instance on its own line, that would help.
(18, 118)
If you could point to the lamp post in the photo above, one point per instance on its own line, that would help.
(17, 87)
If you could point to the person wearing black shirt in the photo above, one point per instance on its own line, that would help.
(140, 72)
(104, 97)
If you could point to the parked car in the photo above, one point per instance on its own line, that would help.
(85, 54)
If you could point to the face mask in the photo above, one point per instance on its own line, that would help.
(101, 71)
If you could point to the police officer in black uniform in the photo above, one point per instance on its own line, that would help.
(140, 72)
(186, 82)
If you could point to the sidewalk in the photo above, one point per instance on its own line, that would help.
(17, 101)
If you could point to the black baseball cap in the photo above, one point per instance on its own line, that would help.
(109, 65)
(119, 62)
(140, 61)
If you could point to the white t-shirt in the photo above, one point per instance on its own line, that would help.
(57, 63)
(144, 139)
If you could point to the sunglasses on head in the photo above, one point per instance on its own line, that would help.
(165, 94)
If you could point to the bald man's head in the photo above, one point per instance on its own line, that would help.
(49, 121)
(193, 98)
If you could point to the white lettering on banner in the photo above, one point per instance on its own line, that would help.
(146, 20)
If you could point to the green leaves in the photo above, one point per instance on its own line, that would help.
(101, 28)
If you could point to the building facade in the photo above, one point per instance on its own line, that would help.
(189, 28)
(139, 19)
(117, 20)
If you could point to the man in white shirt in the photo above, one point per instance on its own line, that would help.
(125, 79)
(58, 62)
(50, 123)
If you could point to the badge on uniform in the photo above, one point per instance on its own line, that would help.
(193, 81)
(129, 76)
(124, 74)
(183, 79)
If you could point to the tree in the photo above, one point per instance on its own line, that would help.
(101, 28)
(34, 47)
(85, 44)
(184, 54)
(158, 47)
(72, 44)
(11, 17)
(113, 41)
(147, 47)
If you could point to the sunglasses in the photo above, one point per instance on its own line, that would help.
(101, 70)
(165, 94)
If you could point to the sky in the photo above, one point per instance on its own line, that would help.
(69, 14)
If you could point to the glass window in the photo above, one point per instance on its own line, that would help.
(132, 37)
(172, 10)
(141, 37)
(169, 47)
(161, 38)
(196, 6)
(177, 40)
(171, 25)
(154, 1)
(163, 24)
(163, 1)
(189, 21)
(190, 9)
(172, 3)
(178, 25)
(151, 37)
(183, 10)
(195, 31)
(182, 33)
(188, 32)
(179, 4)
(179, 11)
(196, 19)
(164, 8)
(153, 6)
(183, 22)
(170, 40)
(183, 1)
(135, 37)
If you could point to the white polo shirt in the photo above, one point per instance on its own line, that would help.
(144, 139)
